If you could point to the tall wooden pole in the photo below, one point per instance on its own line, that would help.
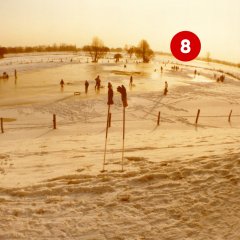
(2, 125)
(109, 120)
(107, 126)
(123, 136)
(197, 116)
(158, 121)
(229, 117)
(54, 122)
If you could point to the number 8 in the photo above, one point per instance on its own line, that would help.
(185, 46)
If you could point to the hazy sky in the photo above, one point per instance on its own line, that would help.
(117, 22)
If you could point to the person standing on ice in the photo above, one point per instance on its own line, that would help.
(86, 86)
(98, 82)
(131, 81)
(62, 83)
(165, 88)
(15, 74)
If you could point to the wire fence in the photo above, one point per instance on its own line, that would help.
(12, 125)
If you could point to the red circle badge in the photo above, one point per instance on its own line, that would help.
(185, 46)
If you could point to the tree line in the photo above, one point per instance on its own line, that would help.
(96, 50)
(40, 48)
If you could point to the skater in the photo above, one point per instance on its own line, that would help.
(195, 72)
(86, 86)
(161, 69)
(166, 88)
(62, 83)
(98, 83)
(15, 74)
(131, 81)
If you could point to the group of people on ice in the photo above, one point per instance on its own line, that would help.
(98, 85)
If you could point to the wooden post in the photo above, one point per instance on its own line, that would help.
(229, 117)
(158, 121)
(105, 149)
(123, 136)
(2, 125)
(54, 122)
(109, 119)
(196, 122)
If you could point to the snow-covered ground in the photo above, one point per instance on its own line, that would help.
(180, 180)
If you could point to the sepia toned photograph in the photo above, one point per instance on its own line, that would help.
(120, 120)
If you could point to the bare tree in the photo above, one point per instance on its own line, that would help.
(130, 50)
(144, 51)
(96, 50)
(117, 56)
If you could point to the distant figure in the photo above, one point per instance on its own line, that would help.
(195, 72)
(125, 65)
(165, 88)
(222, 77)
(15, 74)
(62, 83)
(161, 69)
(110, 94)
(97, 80)
(5, 76)
(86, 86)
(155, 70)
(131, 81)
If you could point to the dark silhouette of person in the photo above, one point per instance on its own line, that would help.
(98, 83)
(131, 81)
(86, 86)
(123, 92)
(5, 75)
(165, 88)
(110, 94)
(161, 69)
(15, 74)
(195, 72)
(62, 83)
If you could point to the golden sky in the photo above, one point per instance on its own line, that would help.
(120, 22)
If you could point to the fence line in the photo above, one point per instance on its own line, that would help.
(60, 123)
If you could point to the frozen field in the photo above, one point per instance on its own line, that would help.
(181, 180)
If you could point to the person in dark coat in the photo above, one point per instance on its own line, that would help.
(86, 86)
(98, 83)
(131, 81)
(62, 83)
(165, 89)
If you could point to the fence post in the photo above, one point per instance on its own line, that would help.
(158, 121)
(2, 125)
(229, 117)
(54, 122)
(109, 119)
(196, 122)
